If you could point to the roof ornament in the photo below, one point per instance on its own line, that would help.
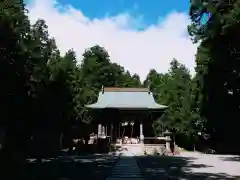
(102, 89)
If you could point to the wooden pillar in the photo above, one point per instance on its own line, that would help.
(106, 130)
(103, 130)
(111, 130)
(114, 131)
(61, 141)
(119, 130)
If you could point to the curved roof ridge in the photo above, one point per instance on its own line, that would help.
(124, 89)
(123, 98)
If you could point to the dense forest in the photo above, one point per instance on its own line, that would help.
(43, 93)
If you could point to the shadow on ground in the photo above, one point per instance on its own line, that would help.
(231, 158)
(72, 168)
(171, 168)
(98, 167)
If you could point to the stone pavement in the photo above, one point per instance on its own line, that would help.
(126, 168)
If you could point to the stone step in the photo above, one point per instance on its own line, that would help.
(127, 172)
(126, 168)
(126, 178)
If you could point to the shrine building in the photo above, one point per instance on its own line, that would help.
(126, 115)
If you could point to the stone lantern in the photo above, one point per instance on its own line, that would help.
(167, 135)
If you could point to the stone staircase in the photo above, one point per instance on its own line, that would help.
(132, 149)
(126, 168)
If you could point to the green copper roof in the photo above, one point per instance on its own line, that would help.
(126, 100)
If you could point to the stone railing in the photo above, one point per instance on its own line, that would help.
(154, 149)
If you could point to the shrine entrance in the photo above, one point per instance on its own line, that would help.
(130, 129)
(129, 132)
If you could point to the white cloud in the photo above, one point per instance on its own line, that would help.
(137, 51)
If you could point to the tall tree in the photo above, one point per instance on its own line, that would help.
(218, 66)
(15, 37)
(177, 90)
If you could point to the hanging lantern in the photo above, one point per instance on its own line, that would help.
(124, 123)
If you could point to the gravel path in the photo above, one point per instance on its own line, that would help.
(191, 166)
(226, 164)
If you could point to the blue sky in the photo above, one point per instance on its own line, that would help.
(138, 34)
(149, 10)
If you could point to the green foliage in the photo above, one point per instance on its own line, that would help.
(218, 68)
(177, 90)
(44, 93)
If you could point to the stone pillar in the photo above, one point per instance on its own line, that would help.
(168, 140)
(141, 133)
(99, 130)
